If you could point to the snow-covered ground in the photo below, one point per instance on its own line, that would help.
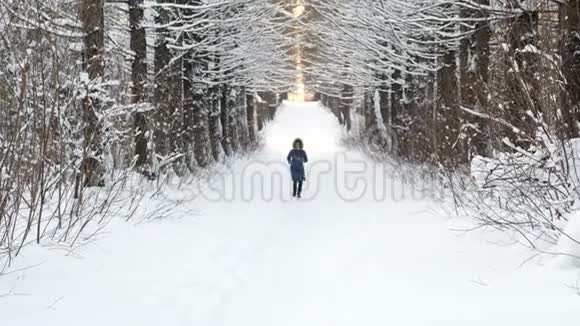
(252, 256)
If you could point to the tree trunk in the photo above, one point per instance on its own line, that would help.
(93, 24)
(273, 100)
(346, 101)
(448, 120)
(163, 100)
(522, 87)
(138, 45)
(187, 134)
(369, 111)
(251, 116)
(242, 119)
(571, 67)
(474, 67)
(225, 121)
(168, 90)
(215, 127)
(395, 105)
(201, 141)
(261, 113)
(201, 97)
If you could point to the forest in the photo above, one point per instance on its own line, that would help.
(91, 90)
(478, 88)
(96, 93)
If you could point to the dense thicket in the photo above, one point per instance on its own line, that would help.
(92, 89)
(450, 83)
(455, 78)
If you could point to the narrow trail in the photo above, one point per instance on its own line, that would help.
(337, 257)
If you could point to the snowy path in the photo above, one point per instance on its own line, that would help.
(318, 262)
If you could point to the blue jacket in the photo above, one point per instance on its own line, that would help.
(296, 158)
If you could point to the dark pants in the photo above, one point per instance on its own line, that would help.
(297, 188)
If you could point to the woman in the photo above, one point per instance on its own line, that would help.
(296, 158)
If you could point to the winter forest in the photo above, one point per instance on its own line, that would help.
(128, 127)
